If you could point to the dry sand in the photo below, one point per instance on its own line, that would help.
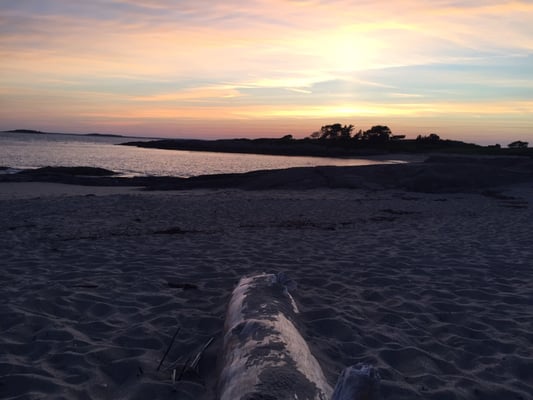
(433, 289)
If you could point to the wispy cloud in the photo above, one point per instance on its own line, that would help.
(196, 94)
(299, 90)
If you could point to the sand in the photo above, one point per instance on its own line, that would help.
(432, 289)
(33, 190)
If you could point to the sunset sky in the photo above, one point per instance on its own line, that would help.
(212, 69)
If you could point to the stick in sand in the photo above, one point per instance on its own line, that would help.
(168, 349)
(196, 360)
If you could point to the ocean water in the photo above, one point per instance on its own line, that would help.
(27, 150)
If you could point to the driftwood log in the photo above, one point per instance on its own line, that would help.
(265, 356)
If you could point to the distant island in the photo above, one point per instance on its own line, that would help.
(337, 140)
(26, 131)
(59, 133)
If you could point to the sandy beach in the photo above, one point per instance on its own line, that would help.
(433, 289)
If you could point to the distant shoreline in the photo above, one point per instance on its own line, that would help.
(329, 148)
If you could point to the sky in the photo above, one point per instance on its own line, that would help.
(266, 68)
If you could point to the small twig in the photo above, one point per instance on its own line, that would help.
(168, 349)
(196, 360)
(183, 369)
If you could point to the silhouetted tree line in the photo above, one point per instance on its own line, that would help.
(518, 145)
(376, 134)
(380, 134)
(432, 137)
(381, 138)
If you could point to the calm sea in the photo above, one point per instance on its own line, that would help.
(26, 150)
